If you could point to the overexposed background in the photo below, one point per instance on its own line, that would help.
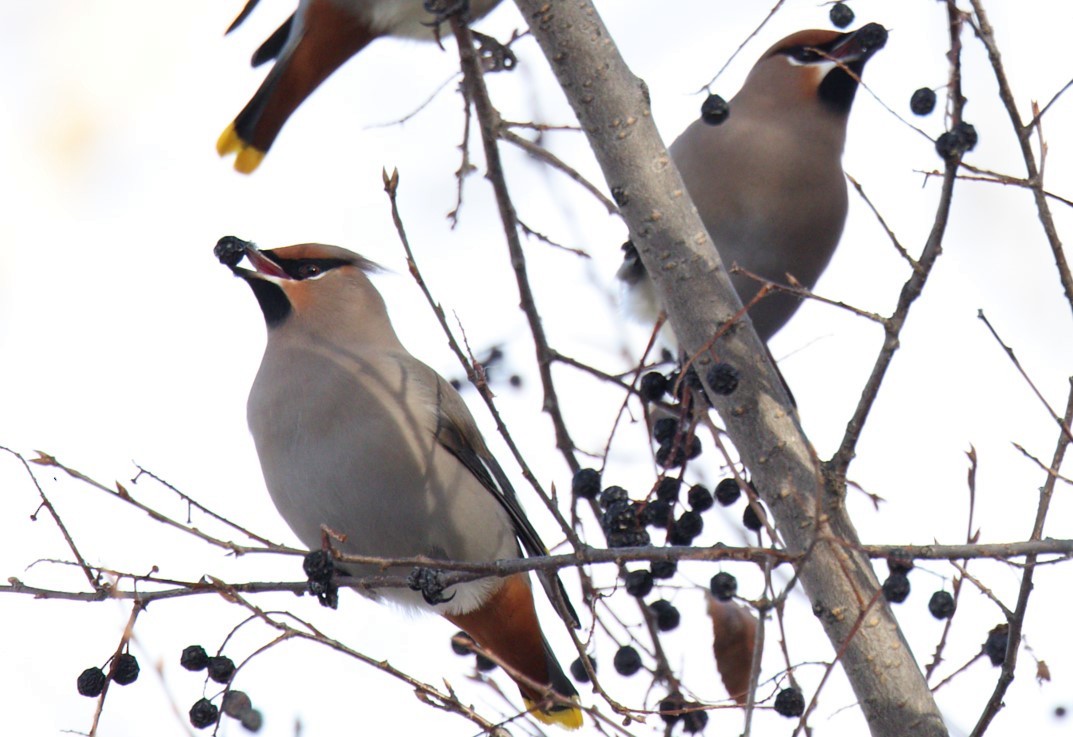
(123, 341)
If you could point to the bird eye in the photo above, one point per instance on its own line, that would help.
(805, 54)
(307, 271)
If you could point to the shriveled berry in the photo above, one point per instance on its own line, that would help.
(627, 661)
(318, 565)
(619, 516)
(923, 101)
(942, 605)
(727, 491)
(613, 494)
(724, 586)
(956, 141)
(586, 483)
(204, 714)
(236, 703)
(669, 705)
(252, 720)
(639, 583)
(664, 429)
(653, 386)
(752, 519)
(715, 110)
(675, 452)
(723, 378)
(694, 721)
(630, 539)
(461, 643)
(577, 669)
(667, 615)
(998, 640)
(667, 489)
(485, 664)
(700, 499)
(790, 702)
(841, 15)
(91, 682)
(657, 513)
(221, 668)
(125, 669)
(194, 657)
(664, 568)
(899, 563)
(896, 588)
(685, 528)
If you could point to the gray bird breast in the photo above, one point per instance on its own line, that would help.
(348, 445)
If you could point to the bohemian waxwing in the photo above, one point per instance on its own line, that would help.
(768, 180)
(316, 40)
(356, 434)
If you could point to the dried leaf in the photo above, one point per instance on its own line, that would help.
(1043, 672)
(43, 459)
(734, 628)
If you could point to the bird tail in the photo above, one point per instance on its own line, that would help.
(317, 44)
(506, 625)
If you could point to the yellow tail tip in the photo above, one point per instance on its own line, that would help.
(564, 716)
(247, 157)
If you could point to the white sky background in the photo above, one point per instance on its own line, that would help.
(122, 339)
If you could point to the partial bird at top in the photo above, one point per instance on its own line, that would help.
(316, 40)
(767, 178)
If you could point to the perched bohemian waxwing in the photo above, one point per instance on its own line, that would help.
(356, 434)
(768, 180)
(316, 40)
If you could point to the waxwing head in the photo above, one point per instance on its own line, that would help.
(813, 66)
(311, 287)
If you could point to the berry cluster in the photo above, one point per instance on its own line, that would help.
(124, 671)
(235, 704)
(319, 569)
(463, 644)
(675, 708)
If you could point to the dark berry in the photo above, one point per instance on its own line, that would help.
(586, 483)
(631, 539)
(896, 588)
(715, 110)
(870, 37)
(899, 564)
(639, 583)
(318, 565)
(724, 586)
(221, 668)
(619, 516)
(461, 643)
(613, 494)
(667, 615)
(997, 641)
(694, 721)
(653, 386)
(515, 381)
(664, 429)
(485, 664)
(727, 491)
(751, 519)
(700, 499)
(91, 682)
(125, 669)
(577, 669)
(677, 451)
(252, 720)
(841, 15)
(664, 568)
(941, 605)
(723, 378)
(668, 706)
(230, 250)
(685, 529)
(194, 657)
(236, 703)
(922, 102)
(956, 141)
(627, 661)
(667, 489)
(790, 702)
(657, 513)
(204, 714)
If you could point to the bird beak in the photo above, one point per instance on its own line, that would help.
(860, 44)
(230, 250)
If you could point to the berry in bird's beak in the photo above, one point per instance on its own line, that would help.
(230, 250)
